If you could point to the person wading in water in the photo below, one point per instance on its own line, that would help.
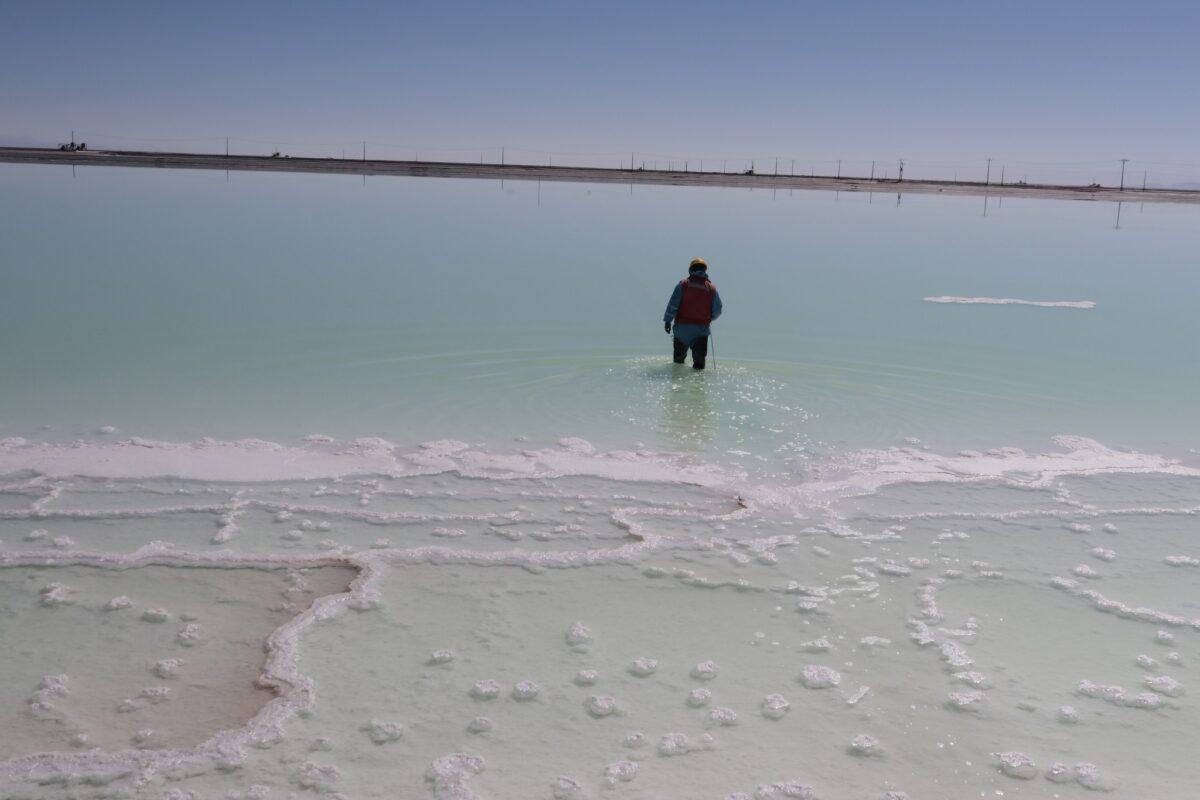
(694, 304)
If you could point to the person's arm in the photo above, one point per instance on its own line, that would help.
(717, 305)
(673, 304)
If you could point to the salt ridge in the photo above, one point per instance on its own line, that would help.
(1010, 301)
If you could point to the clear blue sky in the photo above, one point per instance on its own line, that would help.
(1075, 81)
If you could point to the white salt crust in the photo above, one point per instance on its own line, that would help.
(815, 676)
(251, 460)
(775, 706)
(383, 732)
(643, 667)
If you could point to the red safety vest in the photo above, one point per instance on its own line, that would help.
(695, 307)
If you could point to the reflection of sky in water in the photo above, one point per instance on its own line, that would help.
(178, 305)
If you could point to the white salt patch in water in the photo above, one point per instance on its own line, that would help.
(383, 732)
(1017, 765)
(816, 676)
(723, 716)
(674, 744)
(1182, 561)
(865, 745)
(526, 690)
(189, 635)
(480, 725)
(705, 671)
(449, 775)
(578, 634)
(566, 789)
(620, 771)
(775, 706)
(600, 706)
(167, 668)
(1104, 554)
(586, 677)
(965, 701)
(789, 790)
(1118, 696)
(1009, 301)
(486, 689)
(1068, 715)
(1164, 684)
(440, 657)
(698, 698)
(643, 667)
(155, 615)
(634, 740)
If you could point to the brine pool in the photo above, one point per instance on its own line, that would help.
(315, 487)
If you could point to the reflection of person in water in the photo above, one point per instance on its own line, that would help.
(688, 418)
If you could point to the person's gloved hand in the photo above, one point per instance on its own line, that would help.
(667, 327)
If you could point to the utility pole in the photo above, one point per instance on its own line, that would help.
(793, 172)
(1143, 180)
(1002, 167)
(776, 165)
(900, 176)
(226, 146)
(364, 151)
(1124, 161)
(839, 172)
(502, 156)
(988, 177)
(872, 170)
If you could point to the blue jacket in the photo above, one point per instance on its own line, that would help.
(687, 333)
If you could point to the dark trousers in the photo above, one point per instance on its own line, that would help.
(699, 351)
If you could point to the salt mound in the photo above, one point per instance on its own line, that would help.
(383, 732)
(565, 788)
(775, 706)
(815, 676)
(600, 706)
(1117, 696)
(674, 744)
(440, 657)
(1164, 684)
(480, 725)
(485, 690)
(723, 716)
(622, 771)
(579, 635)
(865, 745)
(699, 697)
(965, 701)
(525, 690)
(1017, 765)
(586, 677)
(450, 773)
(705, 671)
(643, 667)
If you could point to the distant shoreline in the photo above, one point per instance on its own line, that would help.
(524, 172)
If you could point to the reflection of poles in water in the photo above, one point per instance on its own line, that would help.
(985, 202)
(688, 414)
(1118, 225)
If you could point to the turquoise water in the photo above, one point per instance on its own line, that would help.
(176, 305)
(355, 490)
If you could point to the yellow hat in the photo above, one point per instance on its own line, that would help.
(697, 262)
